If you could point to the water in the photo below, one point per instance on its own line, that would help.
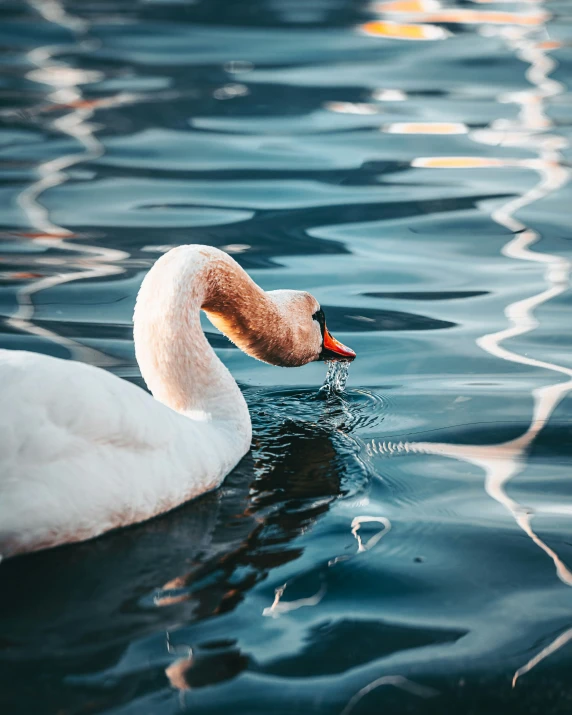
(401, 546)
(336, 377)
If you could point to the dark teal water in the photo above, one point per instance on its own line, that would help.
(405, 547)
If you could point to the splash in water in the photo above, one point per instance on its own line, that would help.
(336, 377)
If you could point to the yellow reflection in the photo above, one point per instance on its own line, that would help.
(400, 31)
(457, 162)
(426, 128)
(408, 6)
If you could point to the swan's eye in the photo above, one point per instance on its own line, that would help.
(321, 319)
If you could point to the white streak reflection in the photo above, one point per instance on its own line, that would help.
(398, 681)
(372, 541)
(502, 462)
(556, 644)
(279, 607)
(98, 262)
(54, 11)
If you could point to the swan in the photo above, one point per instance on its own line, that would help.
(83, 451)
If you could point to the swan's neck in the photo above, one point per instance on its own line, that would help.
(179, 366)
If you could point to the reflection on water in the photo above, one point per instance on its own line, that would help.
(402, 31)
(64, 85)
(407, 162)
(502, 462)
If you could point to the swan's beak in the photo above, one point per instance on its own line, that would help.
(334, 350)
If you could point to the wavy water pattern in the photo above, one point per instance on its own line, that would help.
(504, 461)
(400, 543)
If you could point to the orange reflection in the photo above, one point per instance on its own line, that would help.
(176, 584)
(549, 45)
(177, 673)
(99, 103)
(400, 31)
(22, 276)
(456, 162)
(426, 128)
(42, 234)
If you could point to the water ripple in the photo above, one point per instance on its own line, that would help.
(406, 161)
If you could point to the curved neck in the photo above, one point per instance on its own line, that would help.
(177, 363)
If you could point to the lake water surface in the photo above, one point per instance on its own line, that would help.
(405, 547)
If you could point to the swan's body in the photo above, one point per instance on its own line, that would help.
(83, 451)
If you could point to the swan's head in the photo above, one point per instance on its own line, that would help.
(300, 334)
(279, 327)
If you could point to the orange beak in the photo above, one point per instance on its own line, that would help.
(334, 350)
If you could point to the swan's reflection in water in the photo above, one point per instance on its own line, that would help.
(301, 466)
(99, 597)
(300, 474)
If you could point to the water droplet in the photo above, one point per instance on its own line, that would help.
(336, 377)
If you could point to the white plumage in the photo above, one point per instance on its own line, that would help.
(83, 451)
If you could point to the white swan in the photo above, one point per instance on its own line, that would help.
(83, 451)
